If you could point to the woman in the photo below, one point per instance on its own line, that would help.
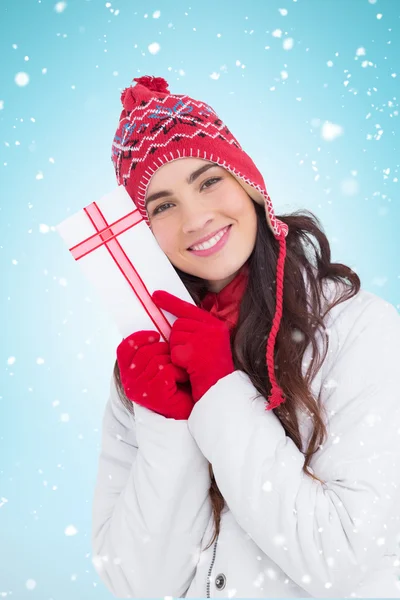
(256, 454)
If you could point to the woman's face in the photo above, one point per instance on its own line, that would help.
(193, 204)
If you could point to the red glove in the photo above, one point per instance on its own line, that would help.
(199, 342)
(150, 379)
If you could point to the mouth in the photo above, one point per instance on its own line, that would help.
(212, 245)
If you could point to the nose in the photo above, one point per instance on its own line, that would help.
(196, 220)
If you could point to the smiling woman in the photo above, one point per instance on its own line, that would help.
(220, 472)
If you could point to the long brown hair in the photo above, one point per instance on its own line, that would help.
(308, 257)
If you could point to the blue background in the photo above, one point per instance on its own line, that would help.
(58, 343)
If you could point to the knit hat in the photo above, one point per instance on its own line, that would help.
(157, 127)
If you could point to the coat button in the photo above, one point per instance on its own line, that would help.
(220, 581)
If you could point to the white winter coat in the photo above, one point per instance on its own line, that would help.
(283, 534)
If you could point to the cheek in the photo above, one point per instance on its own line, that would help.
(236, 203)
(165, 239)
(243, 210)
(248, 223)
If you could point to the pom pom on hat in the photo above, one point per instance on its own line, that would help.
(155, 84)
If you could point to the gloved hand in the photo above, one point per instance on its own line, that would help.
(199, 343)
(150, 379)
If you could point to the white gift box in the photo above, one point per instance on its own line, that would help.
(120, 256)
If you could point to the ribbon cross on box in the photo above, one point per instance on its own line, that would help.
(120, 256)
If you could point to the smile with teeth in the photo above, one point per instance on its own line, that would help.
(210, 243)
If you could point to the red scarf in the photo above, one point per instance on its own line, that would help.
(225, 305)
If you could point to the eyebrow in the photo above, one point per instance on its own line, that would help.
(192, 177)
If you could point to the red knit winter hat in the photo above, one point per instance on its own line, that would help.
(157, 127)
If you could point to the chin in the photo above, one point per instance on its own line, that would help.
(218, 273)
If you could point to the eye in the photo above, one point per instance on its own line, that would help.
(212, 180)
(158, 209)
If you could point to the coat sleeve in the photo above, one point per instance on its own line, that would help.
(326, 537)
(151, 505)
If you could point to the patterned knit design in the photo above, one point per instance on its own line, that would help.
(158, 127)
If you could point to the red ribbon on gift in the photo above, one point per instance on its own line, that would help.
(106, 235)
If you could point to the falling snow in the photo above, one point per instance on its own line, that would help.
(60, 7)
(267, 486)
(21, 79)
(333, 109)
(70, 530)
(288, 43)
(30, 584)
(154, 48)
(331, 131)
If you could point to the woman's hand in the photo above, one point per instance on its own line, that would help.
(199, 342)
(150, 379)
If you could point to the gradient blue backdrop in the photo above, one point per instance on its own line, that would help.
(57, 344)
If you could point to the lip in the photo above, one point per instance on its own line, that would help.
(207, 237)
(218, 246)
